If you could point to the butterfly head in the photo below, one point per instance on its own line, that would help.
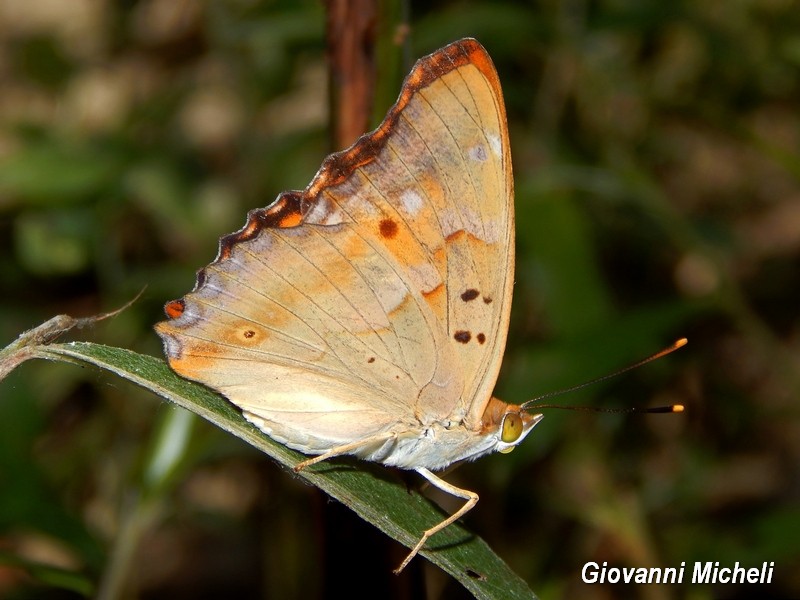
(508, 423)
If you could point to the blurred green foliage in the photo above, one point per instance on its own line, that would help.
(657, 156)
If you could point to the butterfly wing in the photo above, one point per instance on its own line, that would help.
(378, 298)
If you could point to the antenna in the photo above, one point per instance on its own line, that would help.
(673, 408)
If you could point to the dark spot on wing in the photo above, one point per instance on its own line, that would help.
(487, 300)
(249, 333)
(481, 338)
(388, 228)
(462, 336)
(470, 294)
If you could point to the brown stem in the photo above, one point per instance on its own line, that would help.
(351, 28)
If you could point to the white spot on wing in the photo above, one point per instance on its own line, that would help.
(494, 143)
(411, 201)
(324, 212)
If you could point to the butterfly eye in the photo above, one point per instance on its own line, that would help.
(512, 428)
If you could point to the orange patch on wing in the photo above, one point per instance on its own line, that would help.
(292, 219)
(455, 236)
(437, 299)
(195, 360)
(435, 293)
(174, 309)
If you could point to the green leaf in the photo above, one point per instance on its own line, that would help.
(361, 486)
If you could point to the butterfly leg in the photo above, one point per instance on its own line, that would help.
(345, 449)
(471, 500)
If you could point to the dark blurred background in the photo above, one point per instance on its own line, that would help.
(656, 152)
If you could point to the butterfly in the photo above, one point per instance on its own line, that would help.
(368, 314)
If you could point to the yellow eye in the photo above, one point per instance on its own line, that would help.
(512, 428)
